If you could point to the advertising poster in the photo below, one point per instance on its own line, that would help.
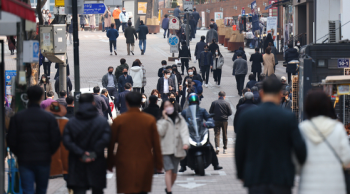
(218, 16)
(142, 8)
(255, 17)
(9, 74)
(271, 27)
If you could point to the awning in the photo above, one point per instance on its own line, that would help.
(276, 4)
(18, 8)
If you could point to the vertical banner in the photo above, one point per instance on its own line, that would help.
(255, 18)
(203, 19)
(271, 27)
(9, 74)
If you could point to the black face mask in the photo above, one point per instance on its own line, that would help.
(172, 100)
(125, 73)
(110, 72)
(174, 70)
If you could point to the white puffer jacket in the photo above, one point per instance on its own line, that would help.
(137, 76)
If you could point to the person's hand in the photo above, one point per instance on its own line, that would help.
(211, 67)
(170, 88)
(88, 160)
(165, 116)
(159, 170)
(185, 147)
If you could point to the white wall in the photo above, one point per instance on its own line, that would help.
(327, 10)
(345, 17)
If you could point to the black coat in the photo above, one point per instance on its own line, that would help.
(240, 50)
(69, 85)
(121, 102)
(108, 111)
(86, 131)
(122, 81)
(193, 25)
(251, 84)
(33, 136)
(143, 31)
(70, 112)
(160, 72)
(160, 85)
(256, 60)
(213, 47)
(199, 49)
(264, 147)
(215, 26)
(241, 108)
(291, 54)
(267, 41)
(196, 16)
(184, 52)
(129, 34)
(221, 108)
(152, 109)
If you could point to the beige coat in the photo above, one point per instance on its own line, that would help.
(92, 21)
(173, 136)
(108, 20)
(269, 63)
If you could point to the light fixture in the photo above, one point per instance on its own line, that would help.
(278, 33)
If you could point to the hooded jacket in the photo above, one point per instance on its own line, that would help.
(137, 76)
(165, 23)
(123, 17)
(240, 50)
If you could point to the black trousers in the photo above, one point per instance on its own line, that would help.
(184, 63)
(117, 24)
(214, 158)
(220, 125)
(205, 73)
(257, 75)
(269, 189)
(137, 90)
(47, 68)
(165, 30)
(290, 77)
(112, 91)
(114, 44)
(83, 190)
(240, 83)
(217, 75)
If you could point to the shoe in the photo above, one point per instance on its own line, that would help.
(217, 152)
(111, 53)
(217, 167)
(182, 169)
(218, 86)
(132, 52)
(166, 191)
(142, 52)
(206, 85)
(182, 73)
(115, 52)
(224, 152)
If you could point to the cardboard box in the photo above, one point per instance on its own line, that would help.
(143, 18)
(221, 31)
(233, 38)
(228, 32)
(220, 23)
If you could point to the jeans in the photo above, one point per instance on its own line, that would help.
(257, 75)
(218, 126)
(34, 174)
(165, 30)
(47, 68)
(128, 47)
(77, 190)
(117, 24)
(217, 75)
(112, 43)
(269, 189)
(240, 83)
(124, 25)
(143, 41)
(184, 63)
(205, 73)
(103, 25)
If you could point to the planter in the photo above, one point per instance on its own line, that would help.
(232, 46)
(226, 42)
(221, 39)
(153, 29)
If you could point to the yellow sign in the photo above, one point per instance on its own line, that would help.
(59, 3)
(142, 7)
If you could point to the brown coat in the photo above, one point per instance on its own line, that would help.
(269, 63)
(108, 20)
(138, 151)
(59, 161)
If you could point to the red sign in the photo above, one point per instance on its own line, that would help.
(273, 11)
(174, 20)
(111, 104)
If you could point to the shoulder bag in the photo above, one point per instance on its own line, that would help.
(345, 171)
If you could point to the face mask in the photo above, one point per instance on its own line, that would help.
(170, 71)
(125, 73)
(172, 100)
(44, 79)
(169, 110)
(167, 76)
(206, 49)
(298, 44)
(155, 94)
(110, 72)
(174, 70)
(143, 99)
(186, 83)
(216, 53)
(124, 11)
(190, 73)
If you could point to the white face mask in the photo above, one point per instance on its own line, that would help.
(190, 73)
(167, 76)
(186, 83)
(169, 110)
(143, 99)
(298, 44)
(216, 53)
(170, 71)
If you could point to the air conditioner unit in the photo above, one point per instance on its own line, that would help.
(334, 30)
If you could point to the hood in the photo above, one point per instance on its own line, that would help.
(324, 124)
(86, 111)
(292, 50)
(136, 69)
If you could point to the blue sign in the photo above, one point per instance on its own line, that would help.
(243, 12)
(173, 40)
(36, 51)
(9, 74)
(343, 63)
(94, 8)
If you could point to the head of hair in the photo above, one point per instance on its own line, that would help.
(161, 109)
(110, 67)
(202, 38)
(103, 91)
(318, 103)
(127, 86)
(239, 54)
(194, 9)
(117, 6)
(154, 91)
(248, 95)
(285, 92)
(112, 26)
(166, 15)
(125, 69)
(96, 89)
(153, 99)
(63, 93)
(211, 20)
(164, 62)
(183, 43)
(213, 41)
(254, 89)
(269, 36)
(268, 50)
(251, 77)
(168, 67)
(45, 76)
(257, 49)
(290, 45)
(134, 99)
(86, 98)
(245, 90)
(50, 94)
(70, 100)
(211, 26)
(35, 93)
(206, 46)
(141, 22)
(166, 72)
(135, 63)
(222, 93)
(262, 76)
(270, 43)
(272, 85)
(122, 61)
(129, 23)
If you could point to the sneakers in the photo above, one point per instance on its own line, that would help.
(115, 52)
(182, 169)
(206, 85)
(217, 151)
(132, 52)
(142, 53)
(224, 152)
(111, 54)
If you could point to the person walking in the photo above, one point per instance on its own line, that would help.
(165, 25)
(70, 107)
(129, 34)
(185, 56)
(241, 51)
(12, 44)
(47, 67)
(177, 11)
(143, 31)
(116, 15)
(112, 34)
(157, 94)
(248, 103)
(161, 70)
(49, 99)
(62, 98)
(240, 70)
(213, 47)
(291, 54)
(144, 78)
(192, 24)
(222, 110)
(206, 63)
(286, 103)
(165, 85)
(124, 18)
(45, 85)
(199, 47)
(215, 26)
(218, 63)
(212, 34)
(252, 81)
(123, 79)
(68, 83)
(269, 62)
(136, 74)
(327, 147)
(196, 17)
(121, 103)
(138, 148)
(152, 108)
(174, 137)
(70, 32)
(119, 70)
(110, 82)
(104, 95)
(82, 21)
(107, 18)
(263, 152)
(256, 60)
(268, 40)
(100, 103)
(92, 22)
(274, 52)
(34, 151)
(86, 136)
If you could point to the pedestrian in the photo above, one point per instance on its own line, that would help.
(45, 17)
(218, 63)
(199, 47)
(107, 18)
(33, 152)
(119, 70)
(165, 85)
(155, 92)
(252, 81)
(286, 103)
(161, 70)
(62, 98)
(70, 107)
(152, 108)
(129, 34)
(291, 54)
(191, 75)
(268, 40)
(82, 21)
(240, 69)
(177, 11)
(47, 67)
(240, 50)
(262, 148)
(45, 85)
(165, 25)
(221, 110)
(256, 94)
(116, 14)
(256, 60)
(174, 137)
(193, 26)
(68, 83)
(144, 79)
(100, 103)
(215, 26)
(212, 34)
(92, 22)
(70, 32)
(123, 79)
(124, 17)
(274, 52)
(206, 63)
(49, 99)
(248, 103)
(49, 15)
(172, 99)
(196, 17)
(137, 76)
(135, 167)
(112, 34)
(327, 147)
(103, 22)
(57, 67)
(269, 62)
(121, 102)
(104, 95)
(213, 47)
(143, 31)
(12, 44)
(86, 136)
(110, 82)
(242, 99)
(178, 81)
(185, 56)
(144, 102)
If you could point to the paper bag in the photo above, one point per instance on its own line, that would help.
(228, 32)
(233, 38)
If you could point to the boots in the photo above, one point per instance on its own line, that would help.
(182, 169)
(166, 191)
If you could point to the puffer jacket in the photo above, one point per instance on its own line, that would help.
(137, 76)
(218, 62)
(173, 132)
(123, 18)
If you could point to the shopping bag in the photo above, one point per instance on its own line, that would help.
(14, 180)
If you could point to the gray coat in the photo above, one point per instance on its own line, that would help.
(105, 80)
(240, 67)
(212, 34)
(100, 104)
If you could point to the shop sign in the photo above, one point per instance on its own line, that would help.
(9, 74)
(273, 11)
(218, 16)
(343, 63)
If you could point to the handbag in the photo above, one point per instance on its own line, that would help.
(346, 172)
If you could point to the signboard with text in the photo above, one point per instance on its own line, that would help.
(94, 8)
(273, 10)
(343, 63)
(188, 6)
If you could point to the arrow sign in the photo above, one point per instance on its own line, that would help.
(94, 8)
(191, 185)
(188, 6)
